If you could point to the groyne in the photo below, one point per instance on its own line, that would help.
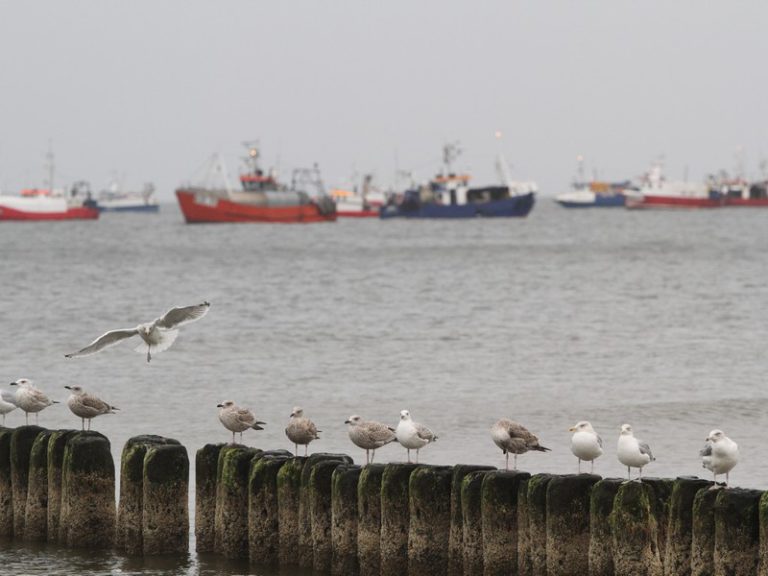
(325, 513)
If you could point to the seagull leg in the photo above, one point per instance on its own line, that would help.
(515, 461)
(579, 465)
(629, 474)
(82, 423)
(592, 467)
(306, 447)
(149, 353)
(295, 448)
(26, 415)
(506, 462)
(233, 438)
(417, 455)
(367, 457)
(36, 421)
(373, 454)
(409, 455)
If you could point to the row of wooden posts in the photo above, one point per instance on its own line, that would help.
(325, 513)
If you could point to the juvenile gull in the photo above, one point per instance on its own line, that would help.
(513, 438)
(412, 435)
(7, 402)
(301, 430)
(586, 444)
(633, 452)
(87, 406)
(369, 435)
(157, 335)
(237, 419)
(720, 454)
(30, 399)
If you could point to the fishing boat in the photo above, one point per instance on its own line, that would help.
(114, 199)
(448, 195)
(594, 194)
(364, 203)
(262, 198)
(657, 192)
(740, 192)
(49, 204)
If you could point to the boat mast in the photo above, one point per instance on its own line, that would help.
(502, 167)
(451, 151)
(48, 167)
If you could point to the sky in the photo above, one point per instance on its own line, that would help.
(148, 91)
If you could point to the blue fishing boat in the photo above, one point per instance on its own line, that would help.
(594, 194)
(449, 195)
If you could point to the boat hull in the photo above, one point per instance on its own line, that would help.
(223, 210)
(357, 213)
(17, 213)
(614, 201)
(514, 207)
(649, 201)
(747, 202)
(143, 208)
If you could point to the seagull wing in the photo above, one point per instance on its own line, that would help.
(707, 450)
(176, 317)
(425, 433)
(95, 403)
(109, 339)
(8, 396)
(599, 440)
(245, 416)
(645, 449)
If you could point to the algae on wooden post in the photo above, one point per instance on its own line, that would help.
(6, 486)
(455, 543)
(499, 494)
(36, 512)
(128, 533)
(206, 465)
(635, 531)
(263, 520)
(429, 494)
(165, 525)
(677, 559)
(472, 522)
(231, 527)
(369, 519)
(703, 540)
(395, 518)
(320, 489)
(601, 537)
(288, 497)
(344, 520)
(737, 532)
(57, 443)
(568, 508)
(537, 521)
(22, 440)
(524, 560)
(659, 499)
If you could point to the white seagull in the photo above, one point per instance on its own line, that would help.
(157, 335)
(632, 452)
(369, 435)
(586, 444)
(7, 402)
(515, 438)
(301, 430)
(30, 399)
(412, 435)
(87, 406)
(720, 454)
(236, 419)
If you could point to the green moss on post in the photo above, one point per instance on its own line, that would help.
(128, 537)
(88, 492)
(524, 561)
(472, 520)
(567, 539)
(344, 520)
(456, 541)
(369, 519)
(288, 496)
(430, 520)
(499, 494)
(231, 527)
(537, 521)
(737, 532)
(22, 440)
(677, 557)
(36, 512)
(6, 485)
(320, 490)
(660, 502)
(703, 540)
(206, 466)
(635, 533)
(165, 525)
(601, 537)
(263, 519)
(57, 444)
(395, 518)
(762, 568)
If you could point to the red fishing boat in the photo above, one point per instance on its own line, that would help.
(657, 192)
(46, 204)
(262, 198)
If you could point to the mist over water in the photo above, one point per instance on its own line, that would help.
(657, 319)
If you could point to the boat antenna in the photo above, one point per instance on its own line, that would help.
(502, 167)
(580, 168)
(49, 166)
(451, 151)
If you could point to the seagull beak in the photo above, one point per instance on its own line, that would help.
(219, 405)
(293, 414)
(13, 384)
(68, 387)
(571, 429)
(347, 422)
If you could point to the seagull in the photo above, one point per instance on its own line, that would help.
(369, 435)
(87, 406)
(586, 444)
(301, 430)
(30, 399)
(7, 402)
(632, 452)
(237, 419)
(512, 437)
(411, 435)
(720, 454)
(157, 335)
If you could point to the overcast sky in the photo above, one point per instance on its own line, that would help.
(149, 90)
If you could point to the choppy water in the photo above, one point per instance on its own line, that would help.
(658, 319)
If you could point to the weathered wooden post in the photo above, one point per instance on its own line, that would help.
(677, 559)
(165, 525)
(344, 520)
(320, 511)
(499, 494)
(22, 440)
(231, 526)
(703, 540)
(601, 537)
(57, 444)
(429, 493)
(456, 541)
(471, 501)
(737, 532)
(288, 497)
(128, 532)
(36, 511)
(369, 519)
(263, 516)
(6, 485)
(537, 521)
(635, 532)
(88, 492)
(395, 518)
(524, 560)
(660, 500)
(762, 568)
(567, 538)
(206, 466)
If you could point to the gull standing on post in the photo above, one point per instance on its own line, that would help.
(369, 435)
(7, 402)
(87, 406)
(720, 454)
(412, 435)
(301, 430)
(237, 419)
(586, 444)
(632, 452)
(30, 399)
(512, 437)
(157, 335)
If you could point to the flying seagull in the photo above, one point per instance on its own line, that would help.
(157, 335)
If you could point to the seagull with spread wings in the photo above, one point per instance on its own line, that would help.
(157, 335)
